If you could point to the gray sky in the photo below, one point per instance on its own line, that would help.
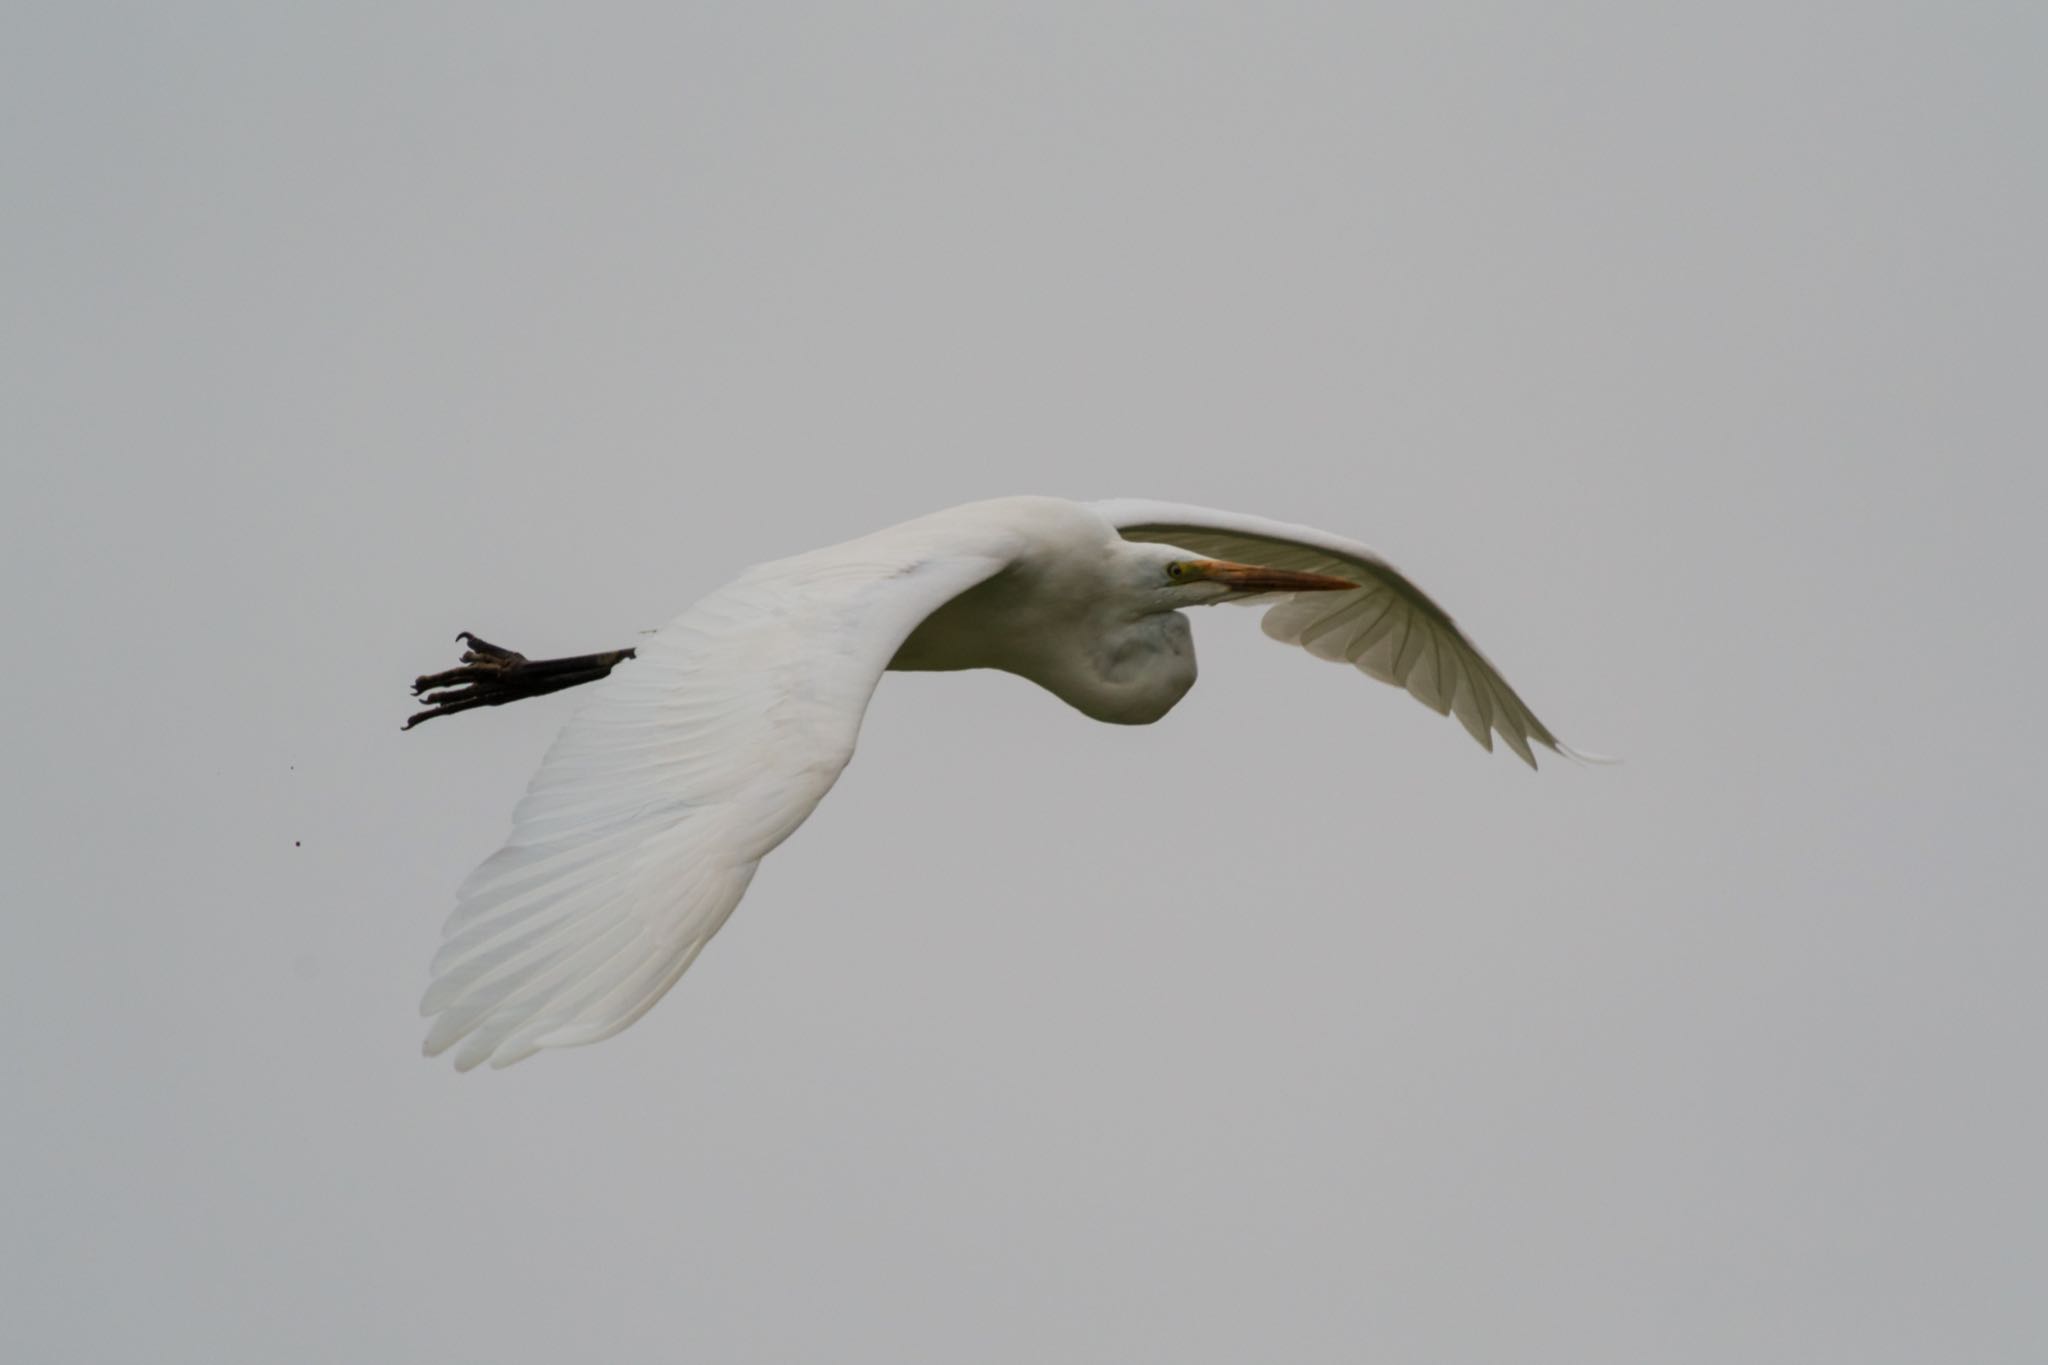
(1692, 356)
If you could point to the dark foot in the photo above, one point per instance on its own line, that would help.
(491, 676)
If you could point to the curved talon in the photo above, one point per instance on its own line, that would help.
(481, 649)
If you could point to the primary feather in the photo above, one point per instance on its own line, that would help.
(1388, 628)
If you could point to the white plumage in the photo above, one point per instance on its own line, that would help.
(650, 813)
(1389, 628)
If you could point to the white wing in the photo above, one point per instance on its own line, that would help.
(645, 823)
(1388, 628)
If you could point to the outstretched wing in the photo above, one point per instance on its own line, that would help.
(645, 823)
(1388, 628)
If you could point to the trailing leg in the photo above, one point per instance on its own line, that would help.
(490, 675)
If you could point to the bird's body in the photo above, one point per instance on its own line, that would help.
(651, 812)
(1063, 612)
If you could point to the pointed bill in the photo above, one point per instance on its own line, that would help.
(1256, 578)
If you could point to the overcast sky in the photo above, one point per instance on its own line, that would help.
(1693, 356)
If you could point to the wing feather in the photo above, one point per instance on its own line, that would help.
(1389, 629)
(650, 813)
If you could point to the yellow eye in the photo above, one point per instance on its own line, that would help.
(1175, 569)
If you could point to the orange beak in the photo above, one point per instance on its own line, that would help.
(1253, 578)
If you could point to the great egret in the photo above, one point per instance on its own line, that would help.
(648, 817)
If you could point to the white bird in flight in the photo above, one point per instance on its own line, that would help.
(662, 795)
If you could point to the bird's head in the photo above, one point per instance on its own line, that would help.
(1175, 578)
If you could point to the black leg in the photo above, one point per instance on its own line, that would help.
(490, 675)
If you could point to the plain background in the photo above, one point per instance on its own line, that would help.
(1693, 355)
